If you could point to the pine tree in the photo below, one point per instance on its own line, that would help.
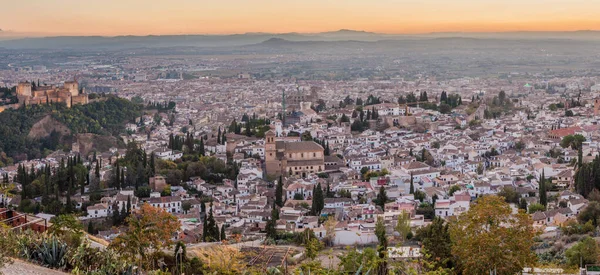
(543, 195)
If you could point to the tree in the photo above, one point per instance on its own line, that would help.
(437, 245)
(306, 136)
(569, 113)
(329, 225)
(580, 157)
(312, 248)
(535, 207)
(279, 192)
(318, 200)
(381, 197)
(497, 239)
(590, 213)
(344, 118)
(583, 253)
(543, 194)
(68, 228)
(523, 204)
(223, 236)
(186, 206)
(90, 228)
(510, 194)
(445, 108)
(573, 141)
(403, 226)
(272, 222)
(382, 245)
(453, 189)
(7, 244)
(480, 169)
(150, 229)
(412, 185)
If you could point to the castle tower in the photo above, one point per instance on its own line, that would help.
(24, 89)
(73, 87)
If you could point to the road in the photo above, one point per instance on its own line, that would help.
(19, 267)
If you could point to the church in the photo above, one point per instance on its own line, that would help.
(292, 158)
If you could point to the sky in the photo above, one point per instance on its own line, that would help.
(144, 17)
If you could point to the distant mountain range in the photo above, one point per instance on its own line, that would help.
(236, 40)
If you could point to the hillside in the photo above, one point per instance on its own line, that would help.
(44, 128)
(32, 132)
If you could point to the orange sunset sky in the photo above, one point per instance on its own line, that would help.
(142, 17)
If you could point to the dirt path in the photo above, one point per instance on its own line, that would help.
(19, 267)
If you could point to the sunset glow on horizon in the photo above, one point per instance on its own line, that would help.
(143, 17)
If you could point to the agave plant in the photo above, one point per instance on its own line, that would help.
(359, 271)
(273, 271)
(51, 253)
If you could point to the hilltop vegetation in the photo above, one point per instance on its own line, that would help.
(101, 117)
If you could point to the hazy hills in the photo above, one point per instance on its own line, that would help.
(237, 40)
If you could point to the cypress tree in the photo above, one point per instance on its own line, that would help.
(204, 229)
(412, 185)
(219, 136)
(543, 195)
(117, 176)
(223, 236)
(580, 156)
(201, 147)
(97, 172)
(90, 228)
(279, 192)
(152, 165)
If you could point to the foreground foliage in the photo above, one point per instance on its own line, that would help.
(497, 239)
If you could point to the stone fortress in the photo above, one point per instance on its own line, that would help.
(30, 94)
